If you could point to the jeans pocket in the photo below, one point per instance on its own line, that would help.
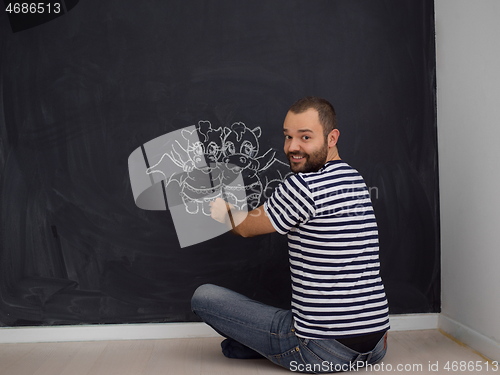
(308, 353)
(325, 356)
(290, 359)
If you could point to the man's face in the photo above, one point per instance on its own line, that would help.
(305, 143)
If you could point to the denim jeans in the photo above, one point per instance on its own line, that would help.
(270, 332)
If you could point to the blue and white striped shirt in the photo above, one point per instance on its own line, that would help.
(333, 246)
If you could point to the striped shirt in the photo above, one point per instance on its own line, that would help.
(333, 248)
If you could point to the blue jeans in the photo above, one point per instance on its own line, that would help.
(270, 331)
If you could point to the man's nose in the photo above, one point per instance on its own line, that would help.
(293, 145)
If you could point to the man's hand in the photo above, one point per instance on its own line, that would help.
(219, 210)
(243, 223)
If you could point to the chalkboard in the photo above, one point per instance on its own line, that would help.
(81, 92)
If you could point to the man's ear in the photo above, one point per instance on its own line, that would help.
(333, 137)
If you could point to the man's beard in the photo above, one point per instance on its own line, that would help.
(313, 162)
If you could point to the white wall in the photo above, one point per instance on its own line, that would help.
(468, 87)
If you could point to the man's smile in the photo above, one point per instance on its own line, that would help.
(297, 157)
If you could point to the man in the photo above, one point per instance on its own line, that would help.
(339, 314)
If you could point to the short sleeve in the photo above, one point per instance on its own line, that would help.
(290, 204)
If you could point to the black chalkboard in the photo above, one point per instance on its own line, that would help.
(80, 93)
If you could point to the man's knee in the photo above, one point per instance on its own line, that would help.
(203, 294)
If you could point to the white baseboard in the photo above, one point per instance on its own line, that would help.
(473, 339)
(155, 331)
(413, 322)
(105, 332)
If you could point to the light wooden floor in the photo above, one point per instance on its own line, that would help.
(415, 350)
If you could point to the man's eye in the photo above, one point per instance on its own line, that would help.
(306, 137)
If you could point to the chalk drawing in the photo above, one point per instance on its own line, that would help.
(212, 159)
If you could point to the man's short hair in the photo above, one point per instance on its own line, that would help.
(326, 112)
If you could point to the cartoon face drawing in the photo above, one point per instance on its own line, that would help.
(204, 176)
(240, 156)
(241, 147)
(195, 151)
(212, 141)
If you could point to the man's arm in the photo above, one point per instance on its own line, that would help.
(245, 224)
